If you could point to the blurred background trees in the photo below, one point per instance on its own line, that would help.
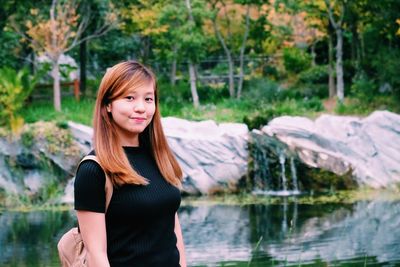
(275, 57)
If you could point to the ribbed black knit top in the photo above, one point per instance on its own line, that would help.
(140, 219)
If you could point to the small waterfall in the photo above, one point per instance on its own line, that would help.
(282, 160)
(274, 167)
(294, 175)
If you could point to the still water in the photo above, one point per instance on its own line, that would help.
(365, 233)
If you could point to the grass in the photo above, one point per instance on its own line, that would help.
(81, 112)
(226, 110)
(255, 109)
(342, 197)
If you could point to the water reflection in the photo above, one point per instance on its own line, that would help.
(361, 234)
(30, 239)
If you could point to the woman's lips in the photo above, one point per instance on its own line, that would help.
(138, 119)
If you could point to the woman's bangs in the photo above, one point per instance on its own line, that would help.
(130, 84)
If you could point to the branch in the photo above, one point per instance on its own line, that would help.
(246, 32)
(330, 13)
(227, 20)
(101, 31)
(342, 9)
(220, 38)
(23, 35)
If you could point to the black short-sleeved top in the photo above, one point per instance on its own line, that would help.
(140, 219)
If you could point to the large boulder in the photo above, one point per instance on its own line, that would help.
(213, 157)
(35, 163)
(368, 148)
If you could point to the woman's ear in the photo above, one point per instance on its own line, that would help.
(108, 107)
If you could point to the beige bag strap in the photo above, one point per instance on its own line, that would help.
(108, 186)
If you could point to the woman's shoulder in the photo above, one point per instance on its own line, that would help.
(88, 167)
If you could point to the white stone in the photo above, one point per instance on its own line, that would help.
(370, 146)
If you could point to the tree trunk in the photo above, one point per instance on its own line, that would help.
(231, 75)
(55, 73)
(82, 75)
(337, 25)
(332, 87)
(242, 49)
(313, 54)
(173, 67)
(229, 58)
(355, 48)
(193, 87)
(339, 64)
(173, 73)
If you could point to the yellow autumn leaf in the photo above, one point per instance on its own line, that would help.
(34, 11)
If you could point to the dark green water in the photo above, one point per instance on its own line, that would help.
(366, 233)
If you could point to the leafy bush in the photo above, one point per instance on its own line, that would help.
(363, 88)
(288, 107)
(261, 90)
(315, 74)
(387, 66)
(15, 87)
(296, 60)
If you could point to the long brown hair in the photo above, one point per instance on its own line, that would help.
(117, 81)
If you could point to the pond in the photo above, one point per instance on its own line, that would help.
(364, 233)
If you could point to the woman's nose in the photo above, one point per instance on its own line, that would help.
(139, 106)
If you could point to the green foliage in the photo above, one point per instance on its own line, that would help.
(296, 60)
(360, 106)
(289, 107)
(15, 87)
(319, 180)
(264, 90)
(9, 48)
(387, 66)
(363, 88)
(80, 112)
(27, 138)
(314, 75)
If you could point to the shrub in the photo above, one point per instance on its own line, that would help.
(296, 60)
(363, 88)
(261, 90)
(15, 87)
(315, 74)
(387, 66)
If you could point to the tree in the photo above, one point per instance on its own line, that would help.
(174, 30)
(59, 33)
(228, 18)
(337, 24)
(15, 87)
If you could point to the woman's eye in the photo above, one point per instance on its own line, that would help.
(129, 97)
(149, 99)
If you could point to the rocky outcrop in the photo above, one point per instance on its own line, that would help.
(368, 148)
(213, 157)
(43, 156)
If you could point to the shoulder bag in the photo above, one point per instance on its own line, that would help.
(71, 249)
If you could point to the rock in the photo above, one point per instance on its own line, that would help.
(368, 147)
(43, 156)
(213, 157)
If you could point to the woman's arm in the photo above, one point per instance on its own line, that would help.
(93, 230)
(179, 242)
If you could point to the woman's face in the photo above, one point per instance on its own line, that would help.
(133, 112)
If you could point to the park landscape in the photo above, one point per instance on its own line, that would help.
(283, 114)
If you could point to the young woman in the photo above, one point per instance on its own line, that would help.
(141, 226)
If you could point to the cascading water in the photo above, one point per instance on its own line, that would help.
(282, 160)
(294, 175)
(274, 167)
